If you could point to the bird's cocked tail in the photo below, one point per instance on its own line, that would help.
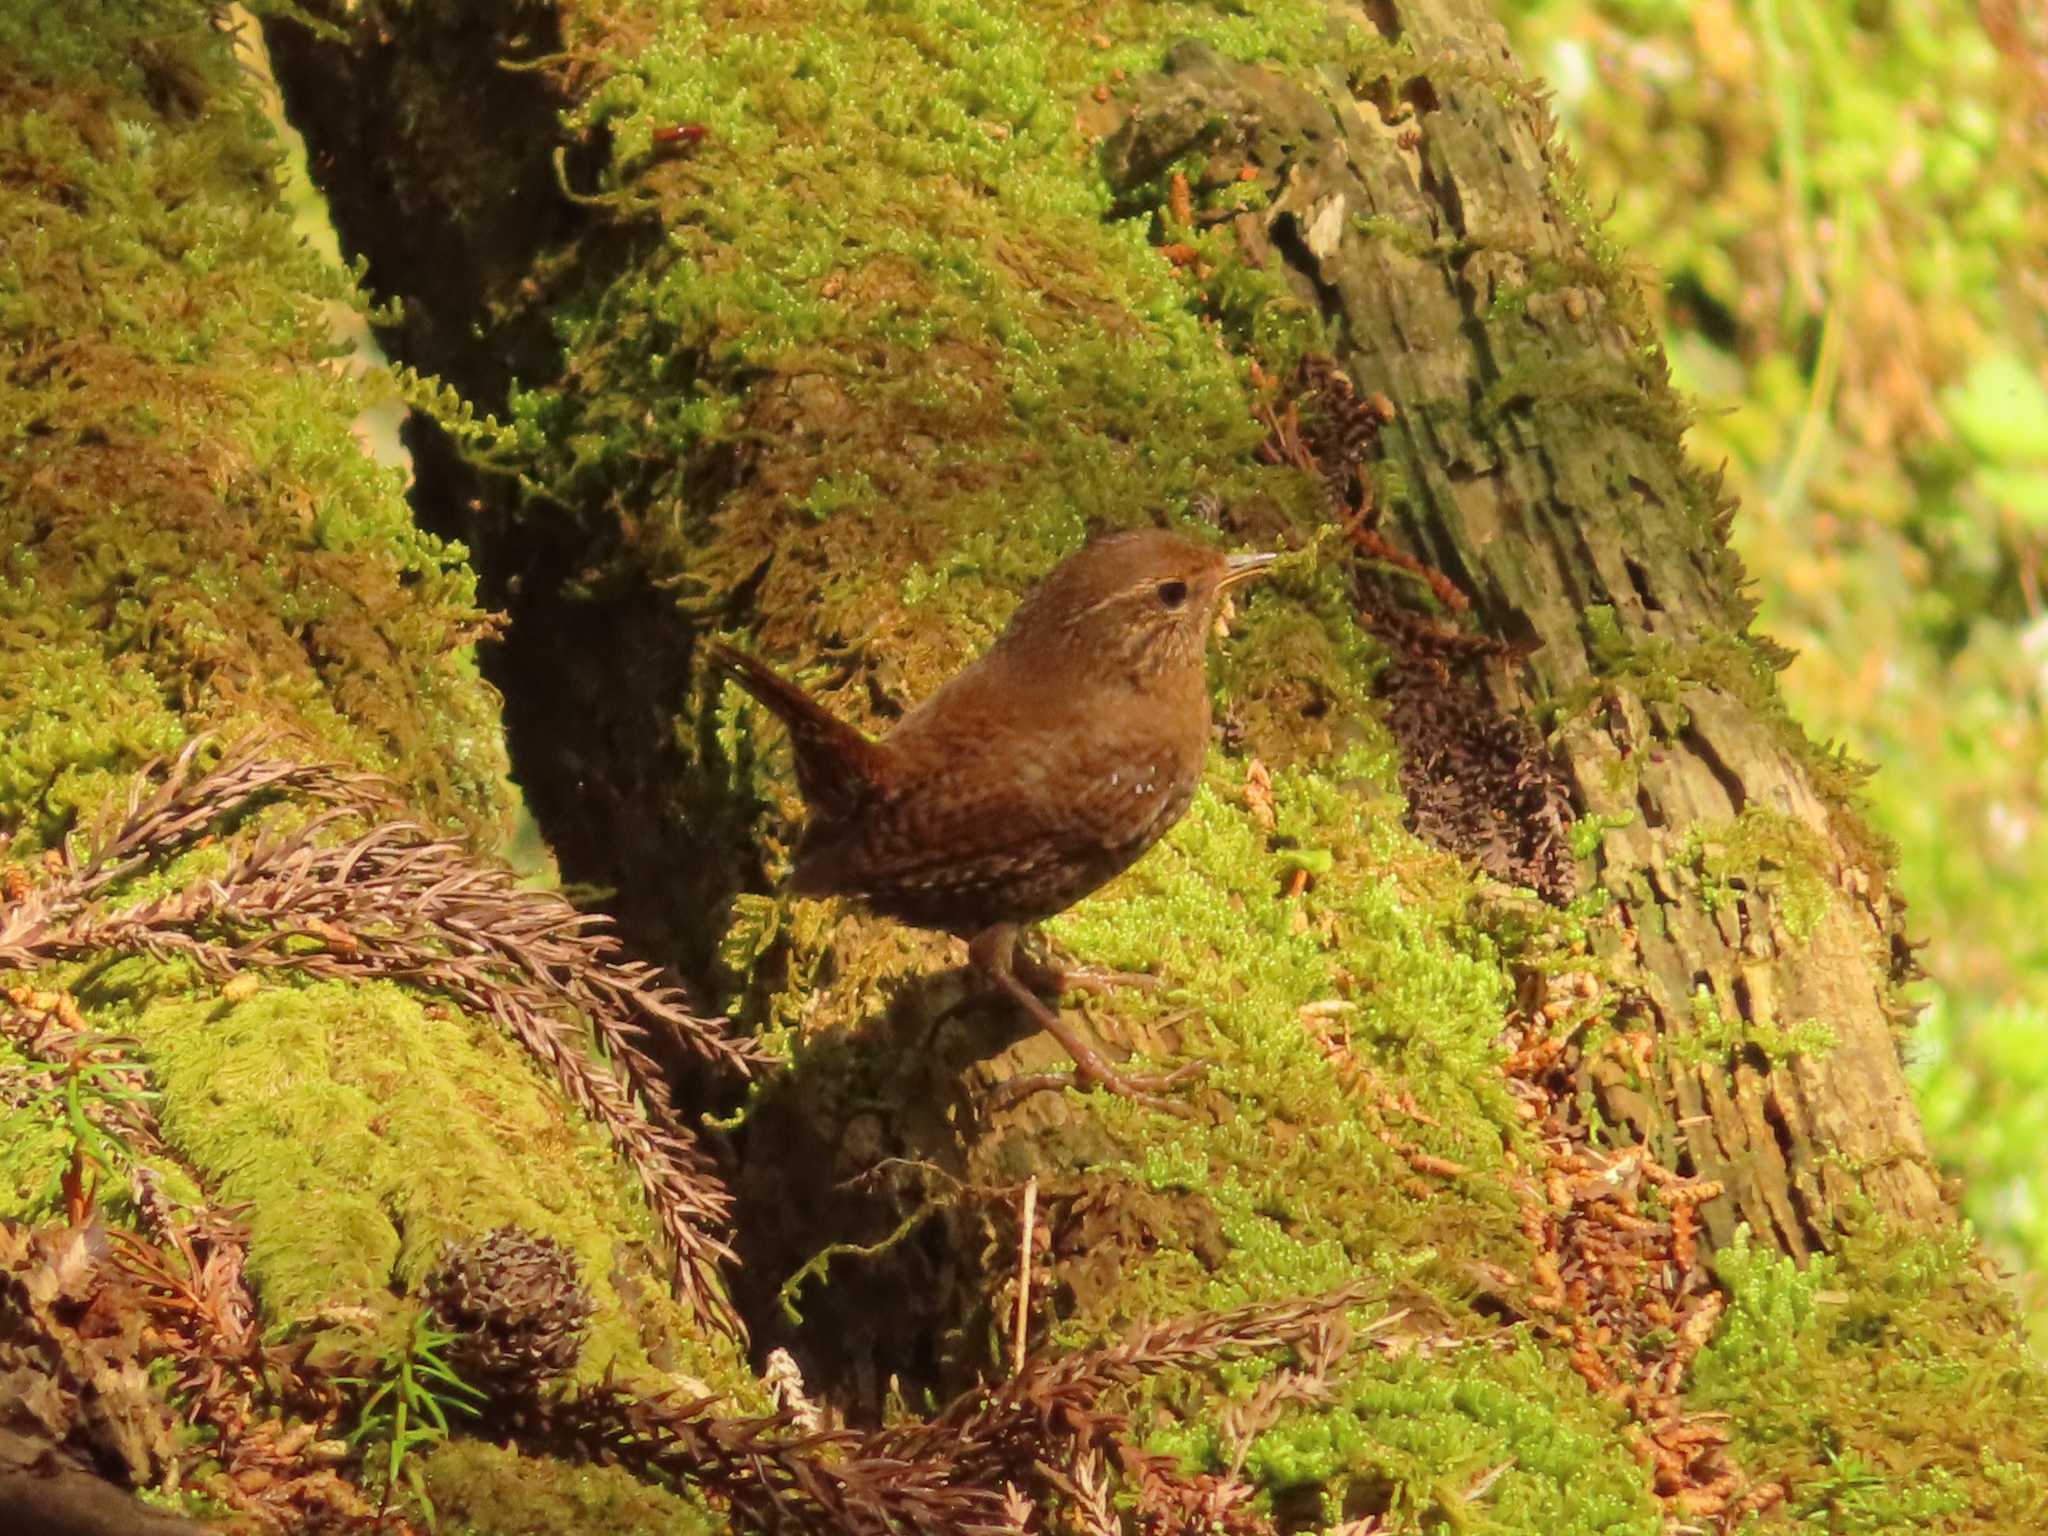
(837, 767)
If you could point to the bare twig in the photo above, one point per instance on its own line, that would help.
(1023, 1322)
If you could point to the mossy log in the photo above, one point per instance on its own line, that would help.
(1547, 976)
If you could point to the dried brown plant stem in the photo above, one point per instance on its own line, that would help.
(971, 1471)
(1022, 1325)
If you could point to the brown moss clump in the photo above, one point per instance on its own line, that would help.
(513, 1301)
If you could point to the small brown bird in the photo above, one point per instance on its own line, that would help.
(1031, 777)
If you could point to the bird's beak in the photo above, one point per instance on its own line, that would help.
(1242, 567)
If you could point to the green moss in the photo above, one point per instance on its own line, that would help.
(1762, 852)
(1296, 680)
(1588, 831)
(1744, 667)
(1864, 1384)
(1568, 191)
(363, 1127)
(484, 1490)
(1405, 237)
(1297, 1166)
(1417, 1436)
(1716, 1037)
(35, 1140)
(1659, 670)
(1593, 387)
(1547, 274)
(1209, 910)
(191, 537)
(77, 1111)
(932, 303)
(189, 532)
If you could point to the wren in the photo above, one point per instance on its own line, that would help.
(1032, 776)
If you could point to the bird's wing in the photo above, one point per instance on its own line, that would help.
(1044, 815)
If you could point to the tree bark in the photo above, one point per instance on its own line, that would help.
(1536, 445)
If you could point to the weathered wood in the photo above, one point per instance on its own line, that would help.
(1537, 444)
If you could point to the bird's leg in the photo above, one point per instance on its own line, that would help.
(994, 952)
(1048, 978)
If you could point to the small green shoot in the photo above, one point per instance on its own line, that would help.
(408, 1409)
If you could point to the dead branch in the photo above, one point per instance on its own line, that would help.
(971, 1471)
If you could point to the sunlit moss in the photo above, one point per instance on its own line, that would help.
(1716, 1035)
(484, 1490)
(364, 1127)
(1864, 1383)
(1298, 1157)
(189, 532)
(1482, 1441)
(192, 538)
(1766, 853)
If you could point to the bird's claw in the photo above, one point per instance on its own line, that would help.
(1146, 1088)
(1049, 979)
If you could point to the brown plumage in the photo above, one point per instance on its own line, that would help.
(1031, 777)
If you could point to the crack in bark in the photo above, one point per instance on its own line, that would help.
(1709, 755)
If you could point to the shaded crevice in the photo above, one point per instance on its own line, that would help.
(1385, 18)
(448, 191)
(1289, 241)
(1639, 578)
(1442, 189)
(480, 184)
(1746, 928)
(592, 680)
(1695, 741)
(1804, 1235)
(1420, 94)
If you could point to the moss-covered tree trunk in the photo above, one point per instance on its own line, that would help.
(1534, 458)
(211, 1136)
(1534, 952)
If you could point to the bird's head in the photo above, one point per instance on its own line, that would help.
(1139, 604)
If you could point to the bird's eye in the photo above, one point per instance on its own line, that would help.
(1173, 593)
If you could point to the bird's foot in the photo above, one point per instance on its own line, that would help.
(1048, 978)
(1021, 976)
(1147, 1088)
